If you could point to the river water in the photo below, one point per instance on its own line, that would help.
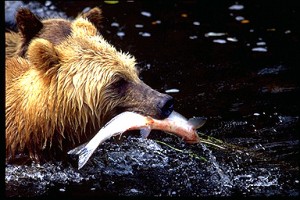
(234, 62)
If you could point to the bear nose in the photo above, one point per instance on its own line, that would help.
(166, 106)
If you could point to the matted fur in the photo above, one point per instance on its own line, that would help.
(64, 81)
(13, 42)
(62, 91)
(53, 29)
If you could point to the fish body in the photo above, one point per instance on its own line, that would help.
(175, 124)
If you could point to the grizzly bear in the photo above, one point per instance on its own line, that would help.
(63, 82)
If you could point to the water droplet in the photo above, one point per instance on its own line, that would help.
(148, 66)
(120, 34)
(139, 26)
(115, 24)
(196, 23)
(193, 37)
(239, 18)
(174, 90)
(260, 49)
(146, 14)
(52, 7)
(219, 41)
(260, 43)
(236, 7)
(48, 3)
(133, 190)
(214, 34)
(232, 39)
(287, 31)
(145, 34)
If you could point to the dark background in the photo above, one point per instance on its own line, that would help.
(249, 97)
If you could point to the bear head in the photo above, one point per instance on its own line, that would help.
(68, 89)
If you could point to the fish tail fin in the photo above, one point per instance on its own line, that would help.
(84, 156)
(83, 152)
(197, 122)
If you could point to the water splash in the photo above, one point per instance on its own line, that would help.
(224, 179)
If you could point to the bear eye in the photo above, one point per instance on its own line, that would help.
(120, 86)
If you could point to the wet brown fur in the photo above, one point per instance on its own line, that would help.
(66, 88)
(54, 30)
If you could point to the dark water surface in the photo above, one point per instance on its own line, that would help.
(234, 62)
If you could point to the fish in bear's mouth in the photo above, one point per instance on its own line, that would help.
(175, 124)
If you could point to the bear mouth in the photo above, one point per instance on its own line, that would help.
(159, 114)
(159, 110)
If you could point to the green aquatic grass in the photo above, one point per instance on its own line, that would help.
(190, 153)
(205, 139)
(214, 142)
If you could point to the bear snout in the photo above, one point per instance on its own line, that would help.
(166, 106)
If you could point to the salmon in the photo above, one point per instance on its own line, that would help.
(175, 124)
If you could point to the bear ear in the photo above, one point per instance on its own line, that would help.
(94, 15)
(42, 54)
(28, 24)
(82, 27)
